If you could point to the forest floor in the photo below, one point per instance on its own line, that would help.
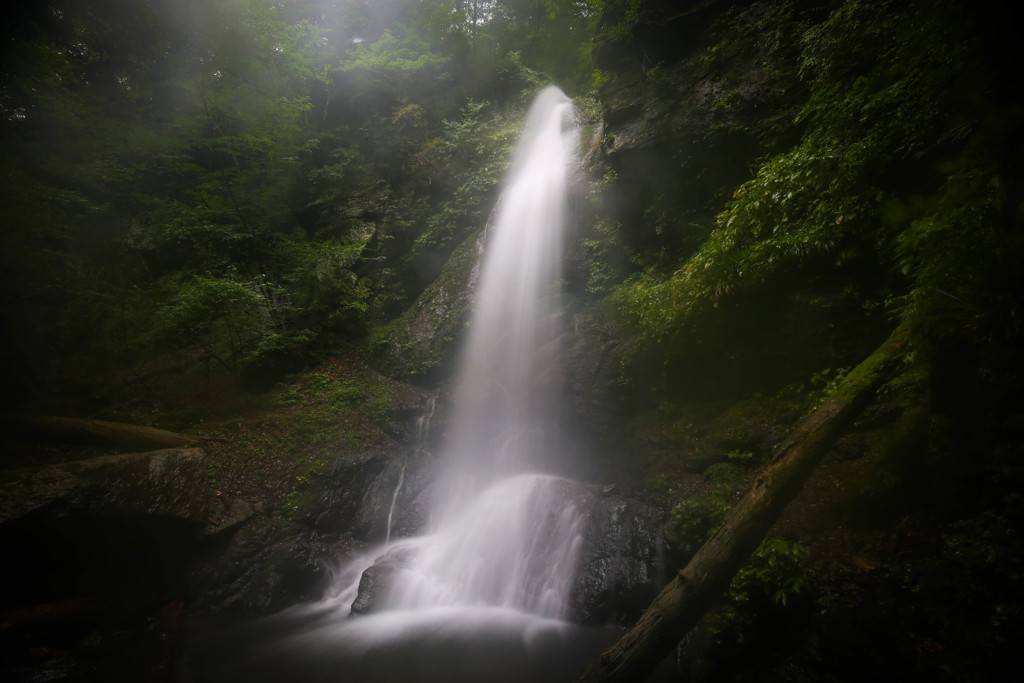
(258, 443)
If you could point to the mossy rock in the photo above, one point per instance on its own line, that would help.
(420, 344)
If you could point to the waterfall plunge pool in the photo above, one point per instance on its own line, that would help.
(442, 644)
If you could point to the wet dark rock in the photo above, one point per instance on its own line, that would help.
(225, 513)
(409, 410)
(272, 562)
(170, 483)
(266, 566)
(120, 528)
(377, 580)
(293, 570)
(99, 551)
(412, 505)
(372, 585)
(355, 494)
(337, 499)
(623, 564)
(590, 361)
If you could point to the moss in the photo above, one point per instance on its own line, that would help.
(274, 450)
(697, 517)
(730, 474)
(872, 370)
(423, 339)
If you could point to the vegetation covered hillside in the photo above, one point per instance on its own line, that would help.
(237, 187)
(781, 191)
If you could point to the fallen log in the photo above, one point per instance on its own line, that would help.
(694, 590)
(98, 433)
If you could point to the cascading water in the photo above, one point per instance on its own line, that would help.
(394, 499)
(506, 399)
(484, 592)
(501, 535)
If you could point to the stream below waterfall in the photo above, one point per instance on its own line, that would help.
(485, 592)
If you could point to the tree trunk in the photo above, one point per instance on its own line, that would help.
(85, 432)
(693, 591)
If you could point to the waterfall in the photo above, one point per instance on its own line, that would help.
(484, 594)
(504, 533)
(506, 402)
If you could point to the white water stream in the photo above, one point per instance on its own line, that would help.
(503, 535)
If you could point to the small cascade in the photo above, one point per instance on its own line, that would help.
(422, 433)
(423, 423)
(394, 499)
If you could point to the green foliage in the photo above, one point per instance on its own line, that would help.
(803, 206)
(310, 162)
(963, 263)
(227, 318)
(391, 68)
(390, 60)
(770, 581)
(889, 96)
(602, 253)
(471, 158)
(753, 66)
(323, 286)
(698, 517)
(970, 584)
(617, 18)
(773, 571)
(761, 32)
(740, 457)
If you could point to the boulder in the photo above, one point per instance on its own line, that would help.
(170, 483)
(378, 578)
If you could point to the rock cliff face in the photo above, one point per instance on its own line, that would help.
(420, 345)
